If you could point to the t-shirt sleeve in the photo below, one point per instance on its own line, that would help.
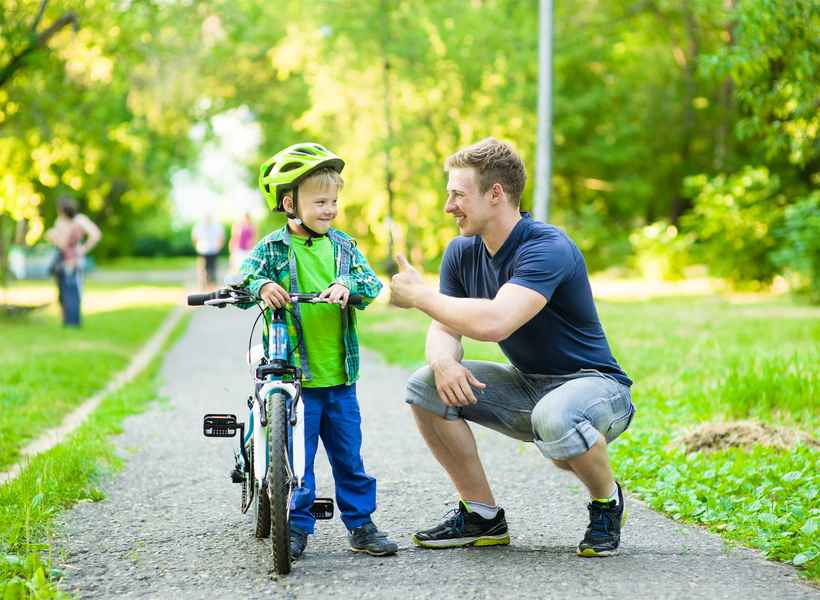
(449, 277)
(543, 265)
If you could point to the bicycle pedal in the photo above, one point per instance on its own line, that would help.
(219, 425)
(322, 508)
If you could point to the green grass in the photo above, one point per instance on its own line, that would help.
(141, 263)
(696, 360)
(46, 370)
(59, 478)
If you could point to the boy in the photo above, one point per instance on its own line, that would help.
(308, 255)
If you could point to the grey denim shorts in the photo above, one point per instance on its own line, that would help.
(564, 415)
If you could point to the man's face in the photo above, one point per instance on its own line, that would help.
(317, 205)
(466, 202)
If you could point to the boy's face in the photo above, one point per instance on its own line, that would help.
(317, 205)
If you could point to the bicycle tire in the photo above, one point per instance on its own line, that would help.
(262, 512)
(278, 483)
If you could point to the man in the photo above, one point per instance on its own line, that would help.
(523, 284)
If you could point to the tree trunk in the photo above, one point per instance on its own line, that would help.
(679, 203)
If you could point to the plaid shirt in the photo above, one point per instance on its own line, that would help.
(273, 260)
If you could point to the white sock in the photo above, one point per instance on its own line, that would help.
(612, 496)
(485, 511)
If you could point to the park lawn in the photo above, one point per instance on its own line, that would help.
(696, 360)
(145, 263)
(47, 370)
(53, 481)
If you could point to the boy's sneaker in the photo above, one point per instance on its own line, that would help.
(465, 528)
(298, 542)
(368, 538)
(604, 530)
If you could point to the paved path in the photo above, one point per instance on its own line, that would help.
(170, 526)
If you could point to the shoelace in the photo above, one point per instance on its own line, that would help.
(457, 520)
(600, 520)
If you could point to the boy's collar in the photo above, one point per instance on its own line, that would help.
(283, 235)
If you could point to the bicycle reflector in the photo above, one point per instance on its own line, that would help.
(219, 425)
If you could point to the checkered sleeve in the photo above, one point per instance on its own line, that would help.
(361, 280)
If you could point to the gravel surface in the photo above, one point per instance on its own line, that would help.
(170, 526)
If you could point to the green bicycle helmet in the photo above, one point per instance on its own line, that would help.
(286, 169)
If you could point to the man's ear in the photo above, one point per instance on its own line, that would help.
(497, 194)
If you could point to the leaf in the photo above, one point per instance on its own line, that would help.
(804, 557)
(810, 527)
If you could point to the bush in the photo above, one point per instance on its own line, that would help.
(734, 218)
(660, 251)
(799, 253)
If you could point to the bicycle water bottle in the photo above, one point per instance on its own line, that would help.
(278, 341)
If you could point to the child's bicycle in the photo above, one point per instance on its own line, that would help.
(270, 463)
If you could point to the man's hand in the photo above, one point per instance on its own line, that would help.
(455, 383)
(337, 293)
(406, 285)
(274, 295)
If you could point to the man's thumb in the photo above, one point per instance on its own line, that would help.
(402, 262)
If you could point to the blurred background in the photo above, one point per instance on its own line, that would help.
(684, 132)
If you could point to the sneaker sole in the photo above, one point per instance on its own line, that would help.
(593, 553)
(372, 553)
(485, 540)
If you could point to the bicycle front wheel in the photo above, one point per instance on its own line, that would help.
(279, 483)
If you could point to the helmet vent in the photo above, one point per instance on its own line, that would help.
(290, 166)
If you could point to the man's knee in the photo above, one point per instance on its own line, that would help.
(548, 424)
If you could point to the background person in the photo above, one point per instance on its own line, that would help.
(208, 237)
(73, 235)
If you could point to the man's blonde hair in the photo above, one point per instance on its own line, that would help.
(496, 162)
(324, 178)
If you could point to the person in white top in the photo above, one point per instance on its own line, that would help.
(208, 237)
(73, 235)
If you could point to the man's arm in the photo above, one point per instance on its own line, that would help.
(481, 319)
(442, 345)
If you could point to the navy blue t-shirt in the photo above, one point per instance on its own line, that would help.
(566, 335)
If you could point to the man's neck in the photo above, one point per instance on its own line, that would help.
(499, 230)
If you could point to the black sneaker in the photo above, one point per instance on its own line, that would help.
(604, 530)
(298, 542)
(465, 528)
(368, 538)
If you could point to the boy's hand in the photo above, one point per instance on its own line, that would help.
(337, 294)
(274, 295)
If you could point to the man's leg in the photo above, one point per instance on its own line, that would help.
(572, 424)
(592, 468)
(453, 445)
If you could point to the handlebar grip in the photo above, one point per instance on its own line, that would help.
(199, 299)
(355, 299)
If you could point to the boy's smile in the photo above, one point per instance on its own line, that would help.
(317, 206)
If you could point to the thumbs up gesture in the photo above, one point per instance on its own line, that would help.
(406, 285)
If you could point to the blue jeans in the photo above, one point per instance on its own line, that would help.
(332, 414)
(69, 286)
(564, 415)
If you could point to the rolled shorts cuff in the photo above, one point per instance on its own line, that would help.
(575, 442)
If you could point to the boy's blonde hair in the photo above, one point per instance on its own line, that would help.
(495, 161)
(324, 178)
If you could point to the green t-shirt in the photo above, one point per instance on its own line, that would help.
(321, 323)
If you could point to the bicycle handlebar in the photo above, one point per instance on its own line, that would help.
(225, 296)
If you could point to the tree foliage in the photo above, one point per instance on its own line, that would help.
(648, 95)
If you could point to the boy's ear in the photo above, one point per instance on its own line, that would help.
(287, 202)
